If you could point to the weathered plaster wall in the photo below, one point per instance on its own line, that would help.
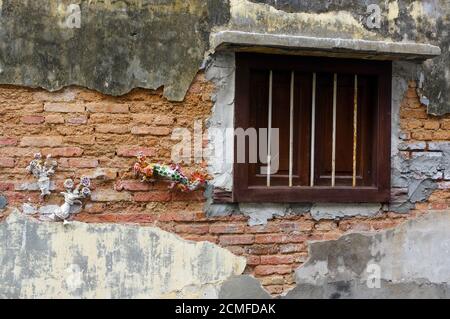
(98, 135)
(122, 45)
(52, 260)
(410, 261)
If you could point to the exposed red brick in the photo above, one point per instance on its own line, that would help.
(277, 259)
(253, 260)
(136, 218)
(6, 186)
(133, 185)
(227, 228)
(439, 206)
(441, 135)
(301, 226)
(192, 229)
(262, 249)
(127, 151)
(237, 250)
(7, 162)
(104, 107)
(32, 119)
(274, 289)
(188, 196)
(325, 225)
(273, 280)
(264, 270)
(54, 119)
(64, 151)
(148, 130)
(78, 162)
(212, 239)
(18, 198)
(182, 216)
(10, 141)
(41, 141)
(112, 128)
(63, 108)
(77, 120)
(268, 228)
(236, 239)
(144, 118)
(94, 208)
(101, 118)
(163, 120)
(108, 195)
(83, 140)
(154, 196)
(270, 238)
(292, 248)
(130, 218)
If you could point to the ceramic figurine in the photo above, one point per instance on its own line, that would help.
(42, 170)
(72, 199)
(150, 172)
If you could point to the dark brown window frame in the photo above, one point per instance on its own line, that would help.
(242, 192)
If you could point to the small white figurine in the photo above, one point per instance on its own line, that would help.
(42, 170)
(72, 199)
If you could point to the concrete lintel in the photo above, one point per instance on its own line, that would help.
(302, 45)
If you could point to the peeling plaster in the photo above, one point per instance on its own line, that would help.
(136, 43)
(120, 45)
(412, 180)
(3, 202)
(258, 214)
(341, 210)
(50, 260)
(243, 287)
(353, 289)
(412, 259)
(221, 71)
(258, 17)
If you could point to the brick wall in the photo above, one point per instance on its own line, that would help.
(425, 132)
(98, 136)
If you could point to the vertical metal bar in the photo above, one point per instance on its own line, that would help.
(313, 128)
(291, 130)
(269, 127)
(355, 128)
(333, 152)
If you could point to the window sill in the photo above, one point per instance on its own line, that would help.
(312, 46)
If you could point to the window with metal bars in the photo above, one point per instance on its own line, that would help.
(334, 125)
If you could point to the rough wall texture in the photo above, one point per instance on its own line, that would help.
(52, 260)
(410, 262)
(118, 46)
(90, 133)
(122, 45)
(401, 20)
(98, 135)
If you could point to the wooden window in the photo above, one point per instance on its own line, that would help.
(333, 118)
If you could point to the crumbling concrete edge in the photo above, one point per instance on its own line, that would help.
(401, 259)
(235, 40)
(101, 256)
